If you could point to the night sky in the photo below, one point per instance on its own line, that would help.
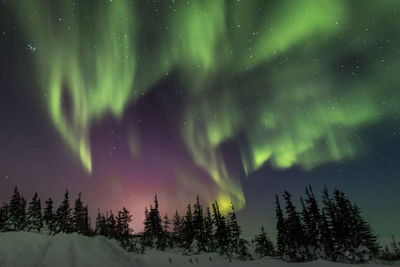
(231, 100)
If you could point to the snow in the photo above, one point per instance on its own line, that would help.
(41, 250)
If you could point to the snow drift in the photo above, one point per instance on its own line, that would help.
(37, 250)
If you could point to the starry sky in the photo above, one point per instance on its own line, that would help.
(232, 100)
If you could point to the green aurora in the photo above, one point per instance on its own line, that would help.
(296, 80)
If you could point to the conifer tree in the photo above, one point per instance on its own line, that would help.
(49, 217)
(364, 235)
(209, 231)
(110, 225)
(234, 230)
(177, 228)
(166, 224)
(243, 251)
(101, 224)
(295, 238)
(395, 255)
(16, 212)
(34, 215)
(123, 229)
(86, 227)
(198, 224)
(78, 223)
(22, 212)
(281, 228)
(264, 246)
(147, 236)
(221, 230)
(63, 216)
(3, 217)
(188, 231)
(153, 234)
(326, 238)
(312, 224)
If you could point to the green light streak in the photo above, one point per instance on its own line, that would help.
(278, 74)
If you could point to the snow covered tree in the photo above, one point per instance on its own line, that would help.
(34, 215)
(123, 232)
(16, 212)
(123, 220)
(153, 234)
(110, 225)
(177, 229)
(166, 224)
(63, 216)
(395, 245)
(264, 246)
(49, 217)
(101, 224)
(3, 217)
(243, 251)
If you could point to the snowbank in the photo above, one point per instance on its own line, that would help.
(31, 249)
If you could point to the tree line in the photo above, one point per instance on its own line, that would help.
(198, 230)
(334, 232)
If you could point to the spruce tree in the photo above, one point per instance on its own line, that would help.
(101, 224)
(188, 231)
(166, 224)
(330, 223)
(364, 236)
(147, 237)
(3, 217)
(177, 229)
(395, 255)
(153, 234)
(86, 226)
(77, 216)
(234, 230)
(264, 246)
(34, 215)
(295, 239)
(327, 239)
(110, 225)
(49, 217)
(209, 231)
(221, 230)
(243, 251)
(16, 212)
(281, 229)
(63, 216)
(123, 229)
(198, 224)
(161, 242)
(312, 224)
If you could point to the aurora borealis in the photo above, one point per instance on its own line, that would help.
(123, 99)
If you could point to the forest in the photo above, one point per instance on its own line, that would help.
(336, 231)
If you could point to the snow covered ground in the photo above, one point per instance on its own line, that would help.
(34, 250)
